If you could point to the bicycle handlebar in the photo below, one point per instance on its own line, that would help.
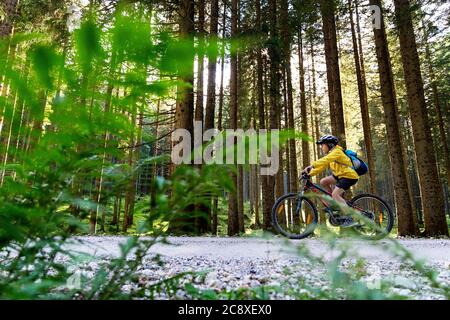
(305, 176)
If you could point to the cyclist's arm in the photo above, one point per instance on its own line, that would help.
(322, 164)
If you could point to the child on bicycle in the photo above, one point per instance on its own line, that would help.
(343, 177)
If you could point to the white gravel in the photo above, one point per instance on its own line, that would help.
(433, 250)
(232, 263)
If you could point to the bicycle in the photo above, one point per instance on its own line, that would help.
(296, 217)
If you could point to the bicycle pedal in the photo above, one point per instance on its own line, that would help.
(348, 222)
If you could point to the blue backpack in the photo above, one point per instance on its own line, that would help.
(359, 165)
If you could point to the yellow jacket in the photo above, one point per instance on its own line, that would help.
(339, 162)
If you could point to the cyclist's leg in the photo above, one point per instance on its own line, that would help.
(337, 195)
(345, 209)
(342, 186)
(327, 183)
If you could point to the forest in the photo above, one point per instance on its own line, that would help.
(93, 92)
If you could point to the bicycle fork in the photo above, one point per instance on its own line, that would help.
(298, 207)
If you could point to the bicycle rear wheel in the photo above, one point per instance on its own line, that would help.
(294, 216)
(376, 210)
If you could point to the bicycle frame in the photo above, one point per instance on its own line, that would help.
(310, 186)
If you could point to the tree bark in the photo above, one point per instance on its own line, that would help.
(261, 117)
(274, 92)
(406, 220)
(201, 42)
(431, 190)
(240, 189)
(212, 61)
(333, 71)
(222, 63)
(292, 148)
(184, 113)
(233, 222)
(9, 10)
(437, 107)
(279, 178)
(311, 103)
(303, 108)
(219, 116)
(287, 167)
(185, 97)
(362, 91)
(314, 94)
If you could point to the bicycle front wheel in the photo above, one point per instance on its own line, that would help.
(294, 216)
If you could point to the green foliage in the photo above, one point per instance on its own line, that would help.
(44, 59)
(87, 40)
(68, 141)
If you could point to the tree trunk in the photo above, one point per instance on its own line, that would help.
(115, 211)
(185, 97)
(362, 90)
(128, 194)
(437, 107)
(119, 210)
(240, 189)
(274, 92)
(201, 42)
(279, 178)
(219, 117)
(9, 10)
(314, 93)
(303, 108)
(333, 73)
(292, 149)
(431, 190)
(9, 128)
(22, 125)
(233, 222)
(286, 126)
(240, 84)
(5, 89)
(257, 197)
(107, 109)
(251, 186)
(261, 119)
(316, 112)
(212, 61)
(406, 220)
(222, 63)
(311, 103)
(156, 143)
(136, 158)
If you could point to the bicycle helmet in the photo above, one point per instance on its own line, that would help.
(329, 140)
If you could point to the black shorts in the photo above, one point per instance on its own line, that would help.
(344, 183)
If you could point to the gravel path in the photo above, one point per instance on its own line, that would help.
(435, 250)
(233, 263)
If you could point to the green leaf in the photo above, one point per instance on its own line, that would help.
(87, 43)
(44, 59)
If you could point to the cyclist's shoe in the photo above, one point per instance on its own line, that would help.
(348, 222)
